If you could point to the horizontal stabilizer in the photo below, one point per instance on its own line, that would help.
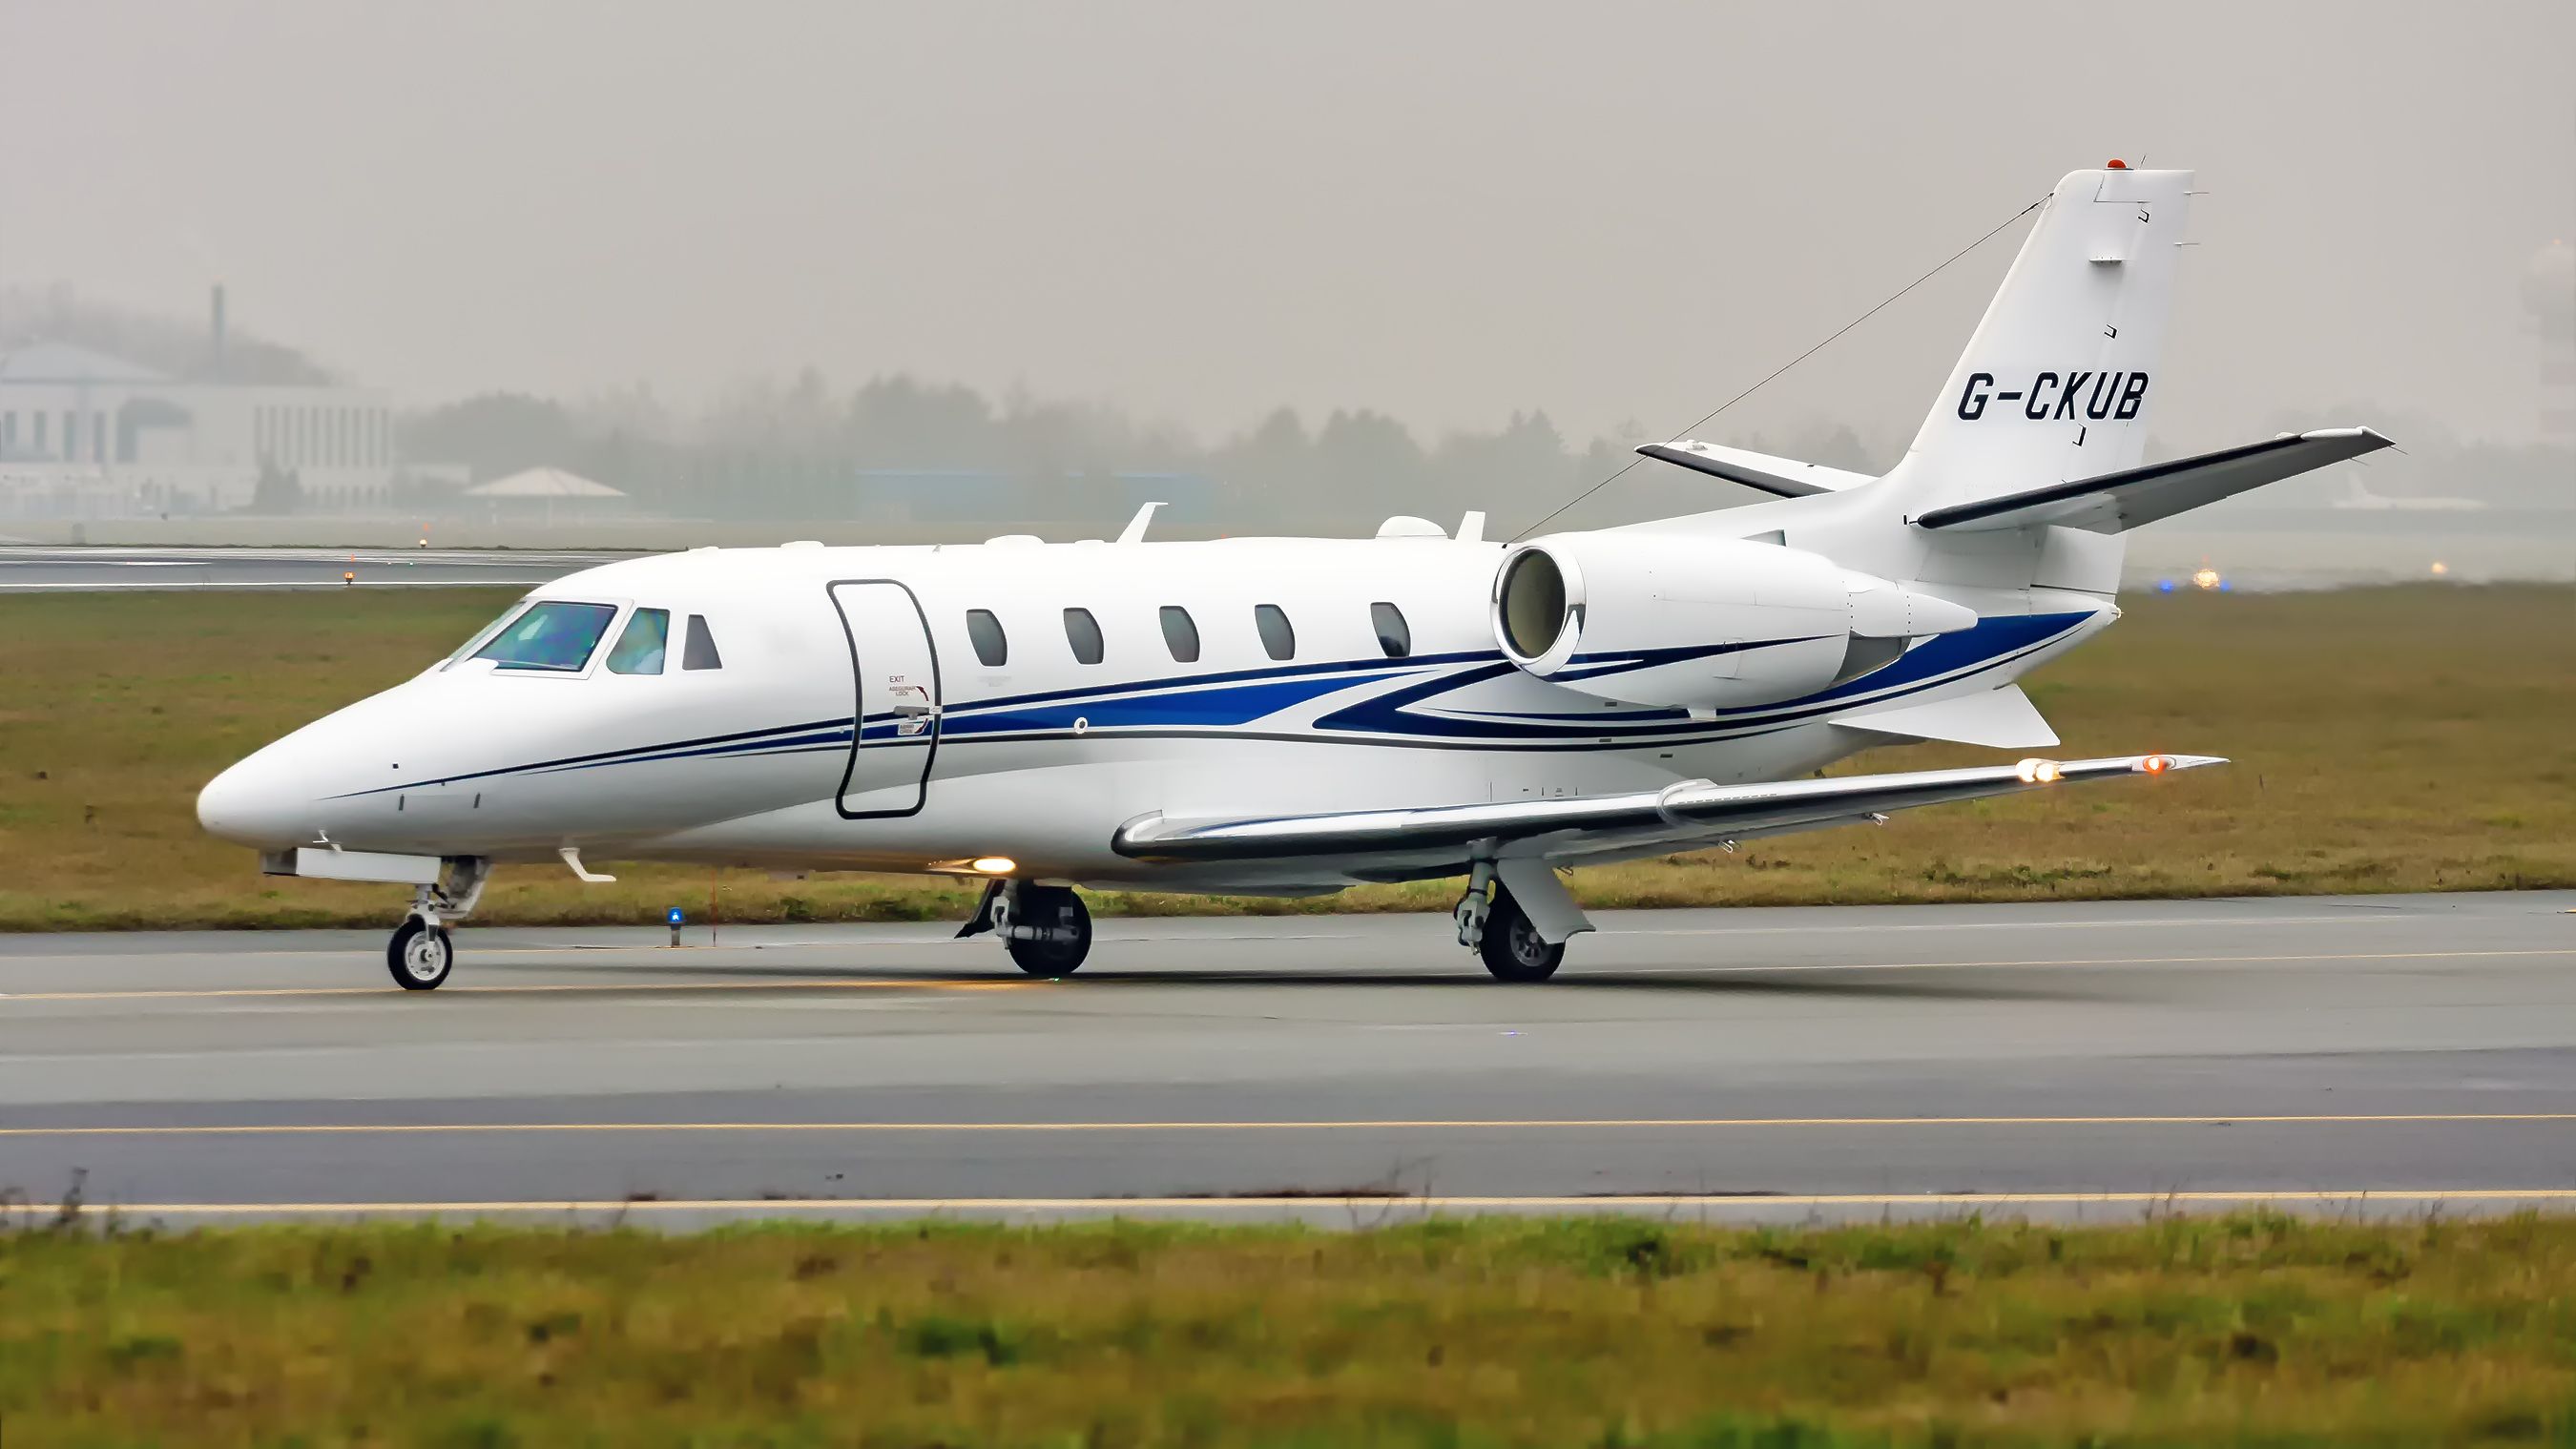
(2116, 502)
(1780, 477)
(1998, 719)
(1690, 809)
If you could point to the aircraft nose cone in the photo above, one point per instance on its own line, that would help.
(250, 804)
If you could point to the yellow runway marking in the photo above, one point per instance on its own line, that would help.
(2344, 1197)
(621, 988)
(1185, 977)
(2134, 961)
(1384, 1125)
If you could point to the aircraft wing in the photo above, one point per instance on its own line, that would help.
(1691, 809)
(2116, 502)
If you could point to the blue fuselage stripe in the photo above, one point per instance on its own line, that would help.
(1235, 701)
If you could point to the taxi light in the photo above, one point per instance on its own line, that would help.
(2037, 772)
(994, 864)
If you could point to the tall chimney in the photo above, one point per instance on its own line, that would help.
(215, 343)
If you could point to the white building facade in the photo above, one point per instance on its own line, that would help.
(86, 435)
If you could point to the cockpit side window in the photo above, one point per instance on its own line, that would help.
(699, 652)
(640, 649)
(552, 635)
(483, 636)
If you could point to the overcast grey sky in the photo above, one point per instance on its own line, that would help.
(1198, 211)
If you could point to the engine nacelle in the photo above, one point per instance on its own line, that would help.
(1686, 622)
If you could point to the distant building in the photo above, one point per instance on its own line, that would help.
(87, 435)
(545, 494)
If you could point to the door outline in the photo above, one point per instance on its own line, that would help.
(859, 704)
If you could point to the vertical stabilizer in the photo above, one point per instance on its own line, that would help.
(2060, 379)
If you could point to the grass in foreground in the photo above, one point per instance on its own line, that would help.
(2254, 1328)
(2389, 739)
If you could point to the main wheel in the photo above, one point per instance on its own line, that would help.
(419, 956)
(1056, 907)
(1512, 948)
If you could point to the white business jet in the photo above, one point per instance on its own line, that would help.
(1290, 716)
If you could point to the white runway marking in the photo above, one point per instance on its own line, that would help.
(2341, 1197)
(350, 1129)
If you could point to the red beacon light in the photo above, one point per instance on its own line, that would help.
(2115, 164)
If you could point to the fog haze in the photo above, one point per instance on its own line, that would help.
(1620, 214)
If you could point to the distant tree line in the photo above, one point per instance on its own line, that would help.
(802, 450)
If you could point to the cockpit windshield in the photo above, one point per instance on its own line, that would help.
(551, 634)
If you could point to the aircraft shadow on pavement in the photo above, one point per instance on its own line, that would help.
(1735, 980)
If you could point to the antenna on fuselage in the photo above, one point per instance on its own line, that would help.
(1134, 532)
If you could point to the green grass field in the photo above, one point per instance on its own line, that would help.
(2250, 1329)
(2414, 738)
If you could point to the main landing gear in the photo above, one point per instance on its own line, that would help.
(420, 955)
(1047, 929)
(1493, 923)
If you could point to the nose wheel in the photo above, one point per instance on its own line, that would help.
(420, 955)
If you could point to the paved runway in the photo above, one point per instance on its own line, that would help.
(2081, 1060)
(42, 569)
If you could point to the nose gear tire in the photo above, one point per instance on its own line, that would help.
(1057, 910)
(1512, 948)
(420, 956)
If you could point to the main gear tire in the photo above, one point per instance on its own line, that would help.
(1055, 909)
(1512, 948)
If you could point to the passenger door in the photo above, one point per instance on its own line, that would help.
(895, 730)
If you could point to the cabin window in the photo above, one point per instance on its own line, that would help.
(1277, 638)
(992, 647)
(639, 650)
(552, 635)
(700, 650)
(1393, 634)
(1181, 634)
(1083, 632)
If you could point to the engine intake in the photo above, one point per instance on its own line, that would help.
(1685, 622)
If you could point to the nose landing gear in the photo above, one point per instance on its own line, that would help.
(421, 954)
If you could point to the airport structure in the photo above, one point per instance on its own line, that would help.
(87, 435)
